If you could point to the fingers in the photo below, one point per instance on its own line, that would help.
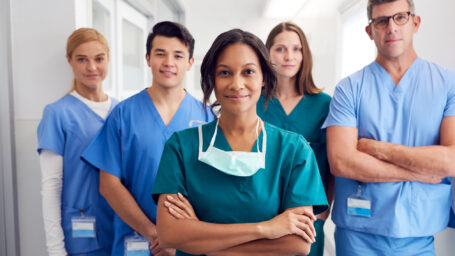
(175, 211)
(306, 228)
(182, 205)
(302, 211)
(309, 223)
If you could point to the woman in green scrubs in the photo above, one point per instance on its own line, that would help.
(299, 106)
(237, 185)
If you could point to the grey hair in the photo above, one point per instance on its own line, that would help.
(372, 3)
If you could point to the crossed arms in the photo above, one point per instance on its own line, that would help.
(368, 160)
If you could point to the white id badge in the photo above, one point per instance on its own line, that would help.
(359, 206)
(83, 227)
(137, 246)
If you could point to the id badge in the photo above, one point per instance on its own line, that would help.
(137, 246)
(83, 227)
(359, 206)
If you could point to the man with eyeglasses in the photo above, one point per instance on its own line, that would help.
(391, 143)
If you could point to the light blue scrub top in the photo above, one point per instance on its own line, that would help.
(66, 128)
(408, 114)
(290, 178)
(305, 119)
(130, 144)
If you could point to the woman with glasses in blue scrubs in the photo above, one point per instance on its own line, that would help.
(237, 185)
(299, 106)
(77, 219)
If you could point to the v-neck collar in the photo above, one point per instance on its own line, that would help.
(404, 81)
(283, 112)
(179, 114)
(222, 143)
(87, 108)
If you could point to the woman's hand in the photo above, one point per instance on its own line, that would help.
(298, 221)
(180, 207)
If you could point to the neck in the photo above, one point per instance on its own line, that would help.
(397, 67)
(94, 94)
(238, 124)
(166, 96)
(286, 87)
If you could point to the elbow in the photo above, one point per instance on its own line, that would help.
(336, 166)
(303, 248)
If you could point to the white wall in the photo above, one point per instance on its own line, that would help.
(40, 75)
(435, 41)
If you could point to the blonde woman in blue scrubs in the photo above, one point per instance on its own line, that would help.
(254, 187)
(299, 105)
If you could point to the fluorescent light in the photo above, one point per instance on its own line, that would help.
(283, 9)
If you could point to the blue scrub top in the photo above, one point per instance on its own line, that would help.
(66, 128)
(305, 119)
(130, 144)
(290, 178)
(410, 114)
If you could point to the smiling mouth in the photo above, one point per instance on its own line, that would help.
(236, 96)
(168, 73)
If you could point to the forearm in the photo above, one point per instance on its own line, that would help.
(436, 160)
(198, 237)
(287, 245)
(51, 191)
(125, 206)
(347, 161)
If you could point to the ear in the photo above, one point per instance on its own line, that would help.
(416, 20)
(369, 32)
(147, 58)
(191, 61)
(68, 58)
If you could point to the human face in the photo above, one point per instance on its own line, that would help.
(394, 41)
(89, 62)
(286, 54)
(169, 60)
(238, 79)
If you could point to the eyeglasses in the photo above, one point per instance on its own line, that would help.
(399, 18)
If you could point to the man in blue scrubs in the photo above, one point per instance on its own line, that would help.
(128, 149)
(391, 143)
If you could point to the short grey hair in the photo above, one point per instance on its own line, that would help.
(372, 3)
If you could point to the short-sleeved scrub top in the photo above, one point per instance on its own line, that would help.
(130, 144)
(305, 119)
(290, 178)
(67, 128)
(410, 114)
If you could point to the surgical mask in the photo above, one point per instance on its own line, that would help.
(235, 163)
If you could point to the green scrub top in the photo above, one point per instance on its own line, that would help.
(290, 178)
(305, 119)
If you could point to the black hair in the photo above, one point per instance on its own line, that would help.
(171, 29)
(221, 42)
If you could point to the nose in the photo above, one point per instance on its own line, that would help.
(91, 65)
(168, 61)
(237, 83)
(391, 25)
(287, 55)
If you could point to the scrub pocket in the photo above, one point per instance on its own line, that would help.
(77, 245)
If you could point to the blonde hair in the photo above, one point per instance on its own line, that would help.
(81, 36)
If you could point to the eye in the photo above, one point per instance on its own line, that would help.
(223, 73)
(298, 49)
(279, 49)
(249, 71)
(179, 56)
(382, 21)
(81, 60)
(400, 17)
(160, 54)
(99, 59)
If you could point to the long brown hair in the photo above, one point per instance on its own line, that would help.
(81, 36)
(304, 83)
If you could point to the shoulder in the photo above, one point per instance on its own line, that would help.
(321, 98)
(61, 106)
(285, 139)
(435, 69)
